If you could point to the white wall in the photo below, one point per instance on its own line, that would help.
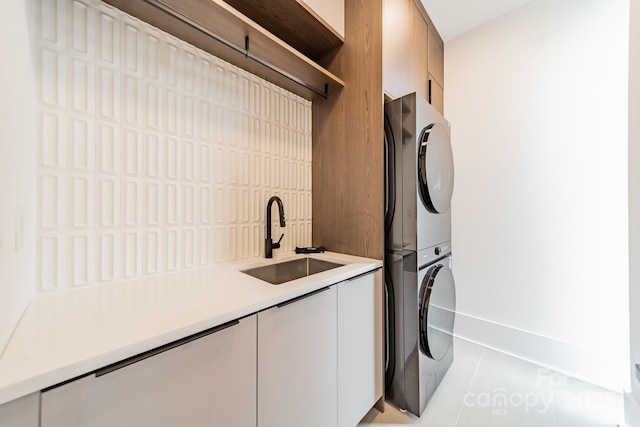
(154, 156)
(17, 178)
(538, 104)
(634, 206)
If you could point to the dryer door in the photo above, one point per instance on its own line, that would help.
(437, 311)
(435, 168)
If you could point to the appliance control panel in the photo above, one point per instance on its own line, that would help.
(434, 253)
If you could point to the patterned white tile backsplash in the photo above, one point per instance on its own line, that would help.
(154, 156)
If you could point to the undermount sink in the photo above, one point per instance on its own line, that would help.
(290, 270)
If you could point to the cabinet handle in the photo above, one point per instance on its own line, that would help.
(310, 294)
(362, 274)
(147, 354)
(429, 90)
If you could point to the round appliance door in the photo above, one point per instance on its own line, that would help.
(437, 311)
(435, 168)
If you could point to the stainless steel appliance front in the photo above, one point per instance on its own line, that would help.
(419, 284)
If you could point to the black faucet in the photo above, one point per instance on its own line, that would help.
(269, 246)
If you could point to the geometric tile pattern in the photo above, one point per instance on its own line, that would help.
(154, 156)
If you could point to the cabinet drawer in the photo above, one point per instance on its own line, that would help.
(204, 382)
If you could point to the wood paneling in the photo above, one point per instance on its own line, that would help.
(198, 22)
(331, 12)
(410, 44)
(419, 53)
(348, 142)
(292, 22)
(436, 98)
(427, 19)
(436, 57)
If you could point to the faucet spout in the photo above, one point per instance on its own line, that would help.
(269, 246)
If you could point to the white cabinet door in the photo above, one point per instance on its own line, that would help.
(23, 412)
(297, 356)
(360, 347)
(207, 381)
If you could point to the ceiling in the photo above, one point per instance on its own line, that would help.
(454, 17)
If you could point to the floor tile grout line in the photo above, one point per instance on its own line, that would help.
(473, 378)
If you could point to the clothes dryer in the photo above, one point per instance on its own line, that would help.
(419, 175)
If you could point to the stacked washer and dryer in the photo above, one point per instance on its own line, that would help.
(419, 285)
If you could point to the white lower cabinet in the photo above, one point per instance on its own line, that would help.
(297, 362)
(314, 361)
(23, 412)
(207, 381)
(360, 347)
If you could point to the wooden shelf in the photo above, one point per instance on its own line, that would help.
(293, 22)
(217, 28)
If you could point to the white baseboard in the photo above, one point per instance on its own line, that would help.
(566, 358)
(631, 410)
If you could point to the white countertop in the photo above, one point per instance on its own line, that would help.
(67, 334)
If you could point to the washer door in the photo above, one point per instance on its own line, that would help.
(435, 168)
(437, 311)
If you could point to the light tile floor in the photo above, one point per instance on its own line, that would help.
(485, 388)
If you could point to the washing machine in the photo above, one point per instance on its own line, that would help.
(419, 284)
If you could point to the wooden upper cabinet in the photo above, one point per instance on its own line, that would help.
(419, 53)
(436, 71)
(396, 50)
(436, 58)
(436, 95)
(411, 49)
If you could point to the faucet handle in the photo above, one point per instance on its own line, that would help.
(277, 244)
